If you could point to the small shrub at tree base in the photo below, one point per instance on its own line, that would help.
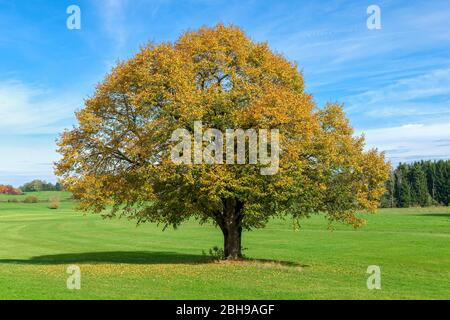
(216, 253)
(31, 199)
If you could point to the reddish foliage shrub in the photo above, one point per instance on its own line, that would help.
(5, 189)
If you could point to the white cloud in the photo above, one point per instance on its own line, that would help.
(28, 109)
(412, 141)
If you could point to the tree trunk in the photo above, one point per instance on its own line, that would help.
(232, 242)
(231, 226)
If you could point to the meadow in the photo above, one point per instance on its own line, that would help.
(120, 260)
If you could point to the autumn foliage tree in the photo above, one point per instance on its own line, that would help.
(118, 156)
(10, 190)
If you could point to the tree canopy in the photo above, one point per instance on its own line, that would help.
(119, 154)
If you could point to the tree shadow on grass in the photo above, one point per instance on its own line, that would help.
(135, 257)
(117, 257)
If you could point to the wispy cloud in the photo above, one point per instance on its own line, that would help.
(122, 19)
(26, 109)
(27, 158)
(423, 95)
(433, 84)
(114, 20)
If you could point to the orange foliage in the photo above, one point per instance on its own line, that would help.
(6, 189)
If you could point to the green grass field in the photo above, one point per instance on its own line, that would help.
(121, 261)
(43, 196)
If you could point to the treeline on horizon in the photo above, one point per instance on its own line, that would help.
(32, 186)
(418, 184)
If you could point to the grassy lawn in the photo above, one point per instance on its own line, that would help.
(121, 261)
(42, 196)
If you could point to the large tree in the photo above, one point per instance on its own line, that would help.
(119, 154)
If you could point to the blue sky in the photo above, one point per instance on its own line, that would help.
(394, 82)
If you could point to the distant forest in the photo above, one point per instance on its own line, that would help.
(423, 183)
(40, 185)
(33, 186)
